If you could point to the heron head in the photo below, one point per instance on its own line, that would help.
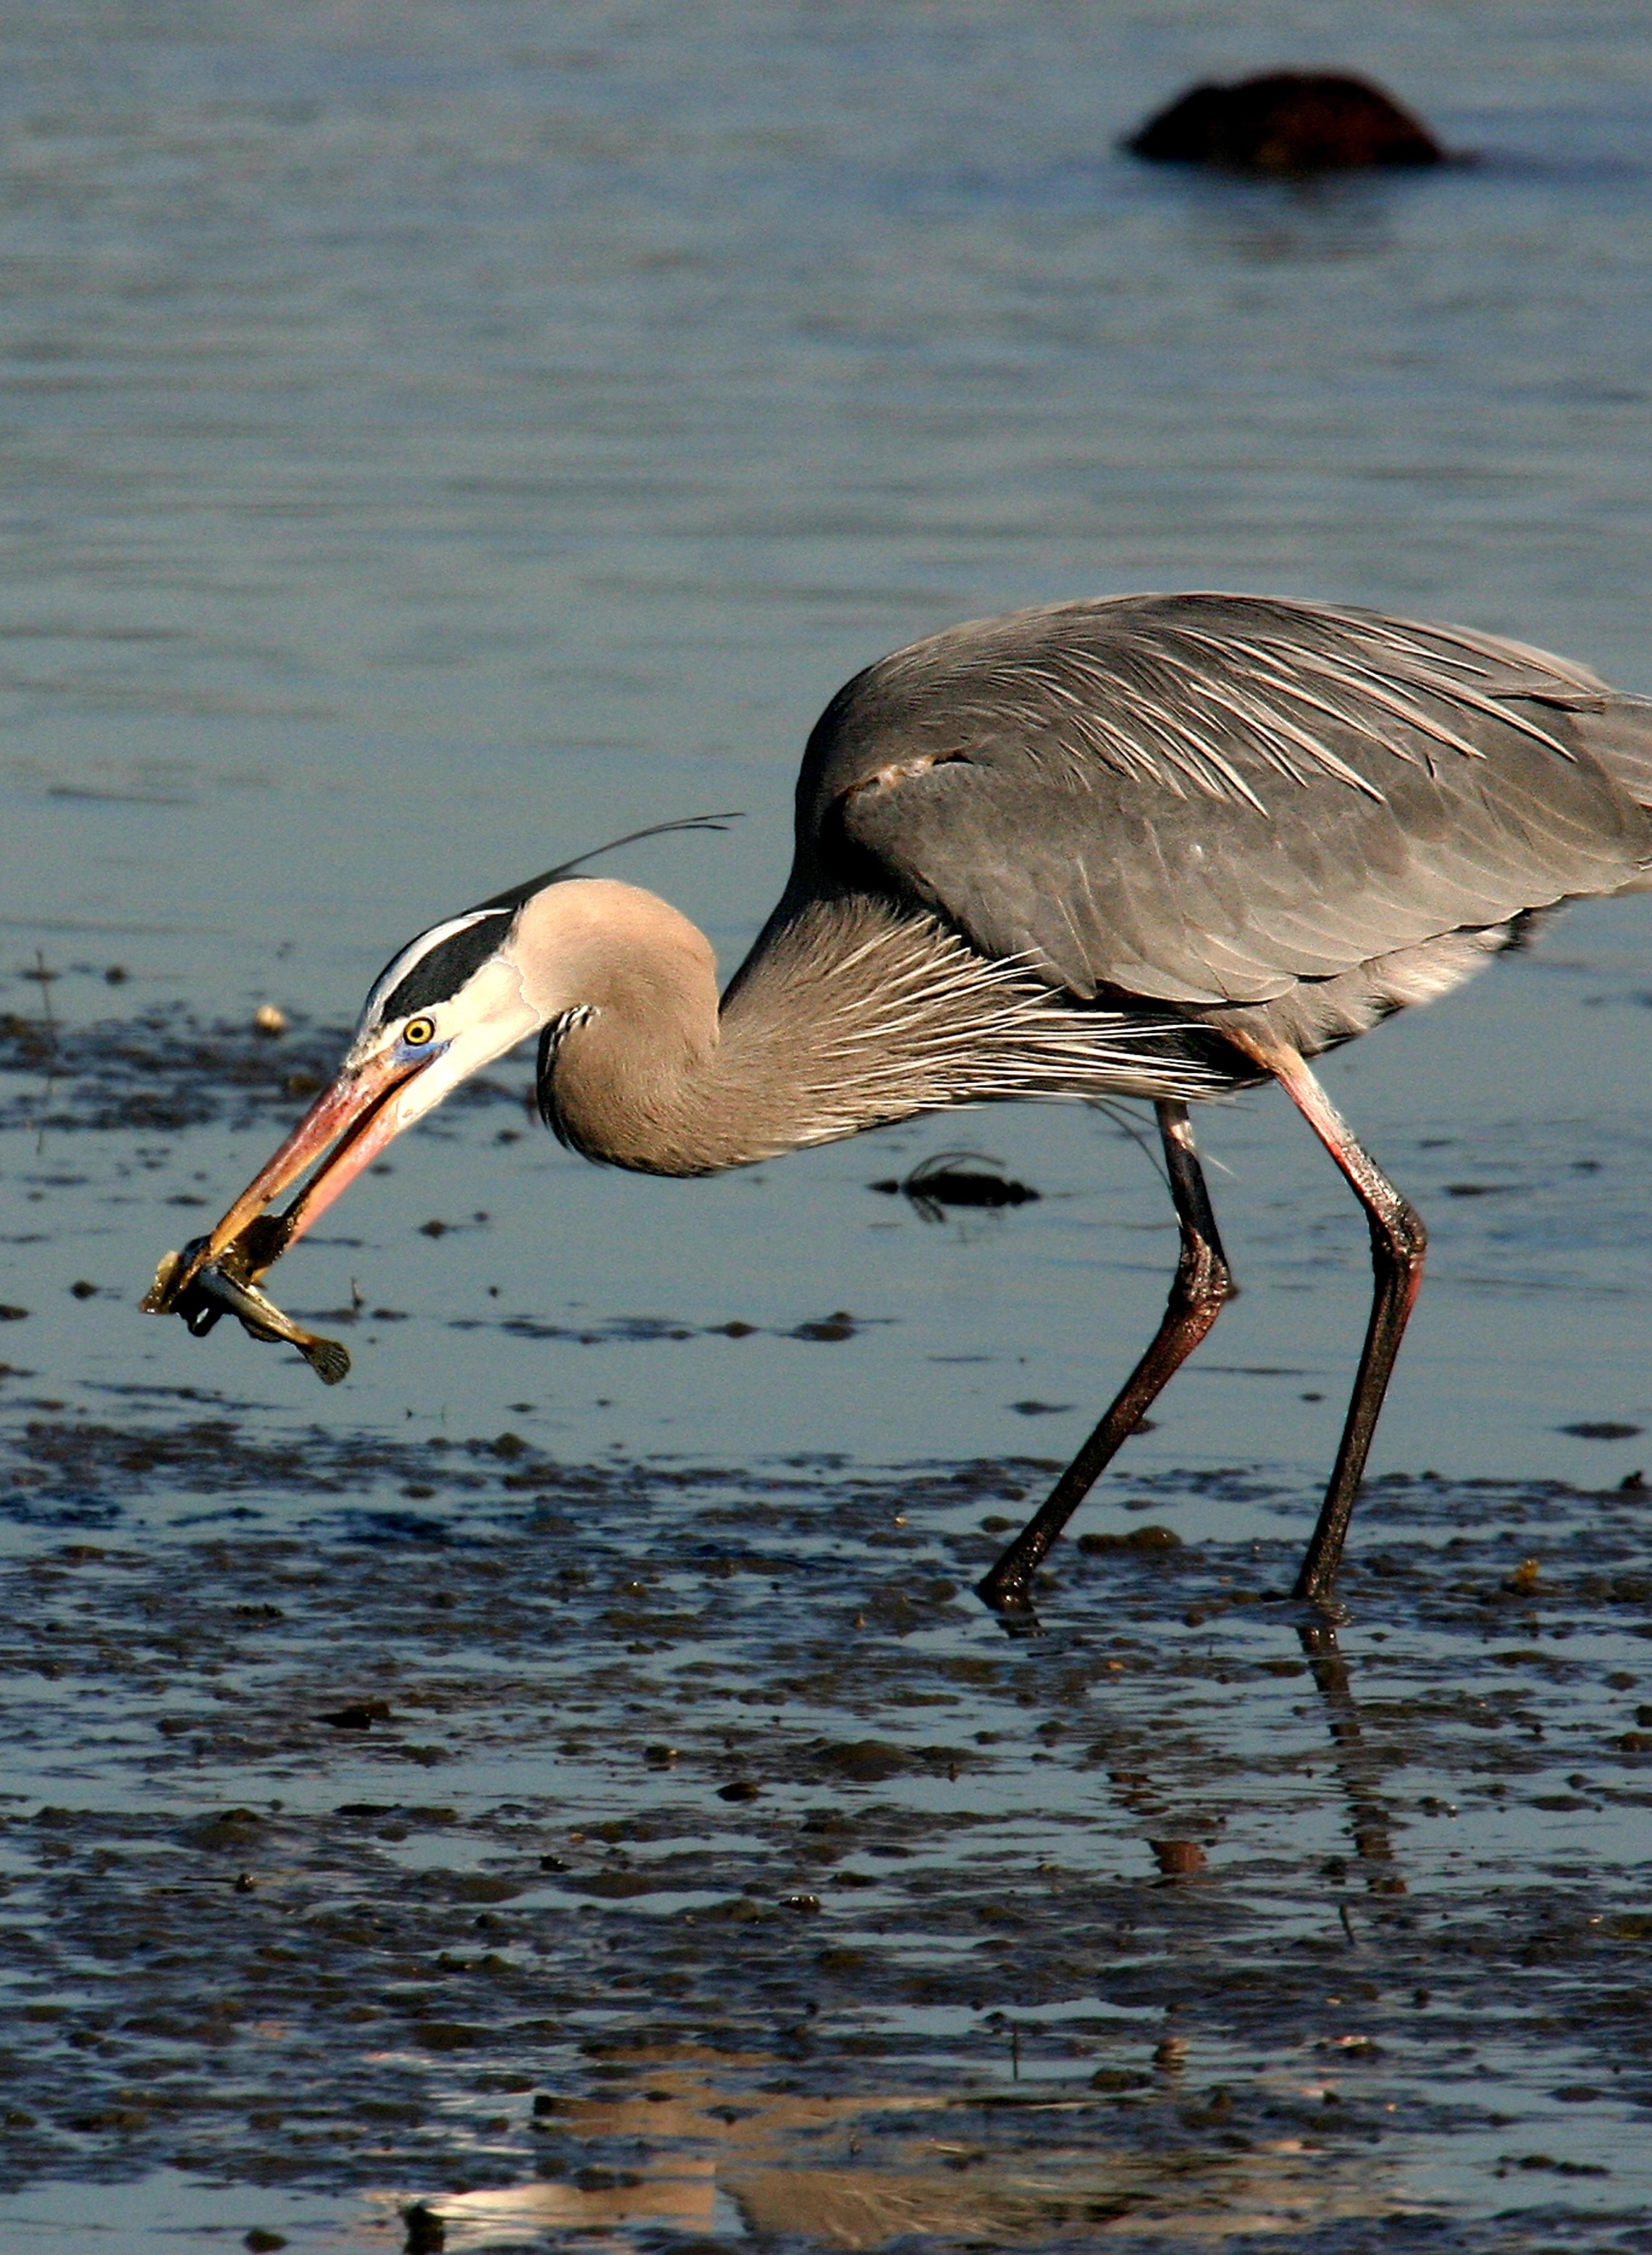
(444, 1006)
(558, 952)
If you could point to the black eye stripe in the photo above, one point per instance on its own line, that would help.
(439, 976)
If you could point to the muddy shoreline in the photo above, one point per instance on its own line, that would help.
(446, 1818)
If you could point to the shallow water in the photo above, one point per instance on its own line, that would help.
(428, 447)
(606, 1854)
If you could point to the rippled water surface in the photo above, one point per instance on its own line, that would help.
(432, 440)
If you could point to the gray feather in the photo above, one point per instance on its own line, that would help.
(1206, 799)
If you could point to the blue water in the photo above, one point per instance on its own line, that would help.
(431, 447)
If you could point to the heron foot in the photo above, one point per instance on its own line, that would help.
(1324, 1612)
(1010, 1602)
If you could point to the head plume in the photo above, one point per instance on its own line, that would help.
(433, 968)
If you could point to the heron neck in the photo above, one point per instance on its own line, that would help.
(847, 1016)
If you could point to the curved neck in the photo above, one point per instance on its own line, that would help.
(848, 1016)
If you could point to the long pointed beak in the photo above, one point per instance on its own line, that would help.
(344, 1130)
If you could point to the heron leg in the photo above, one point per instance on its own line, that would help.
(1201, 1283)
(1398, 1243)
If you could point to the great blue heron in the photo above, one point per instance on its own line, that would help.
(1161, 846)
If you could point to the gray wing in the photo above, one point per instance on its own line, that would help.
(1206, 799)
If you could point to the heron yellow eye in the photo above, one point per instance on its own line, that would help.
(417, 1031)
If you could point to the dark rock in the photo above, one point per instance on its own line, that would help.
(1139, 1539)
(360, 1715)
(426, 2233)
(1287, 123)
(618, 1886)
(447, 2036)
(1176, 1858)
(864, 1761)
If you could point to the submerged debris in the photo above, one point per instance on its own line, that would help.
(943, 1180)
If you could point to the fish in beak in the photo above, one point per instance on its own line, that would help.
(344, 1131)
(213, 1293)
(445, 1006)
(337, 1136)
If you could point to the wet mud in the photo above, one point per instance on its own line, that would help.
(510, 1853)
(163, 1069)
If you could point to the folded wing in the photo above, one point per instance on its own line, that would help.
(1207, 798)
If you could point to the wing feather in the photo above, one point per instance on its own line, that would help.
(1207, 798)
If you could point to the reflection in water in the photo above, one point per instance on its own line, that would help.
(1359, 1765)
(859, 2173)
(690, 2145)
(1309, 223)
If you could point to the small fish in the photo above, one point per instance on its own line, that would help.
(212, 1293)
